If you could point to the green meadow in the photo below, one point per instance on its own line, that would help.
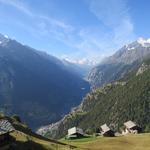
(128, 142)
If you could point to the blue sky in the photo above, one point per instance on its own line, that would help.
(78, 30)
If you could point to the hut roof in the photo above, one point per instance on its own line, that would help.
(105, 128)
(75, 130)
(130, 124)
(2, 132)
(5, 125)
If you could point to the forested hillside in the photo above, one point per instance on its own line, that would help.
(115, 103)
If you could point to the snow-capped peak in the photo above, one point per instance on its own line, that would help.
(6, 36)
(144, 42)
(131, 48)
(139, 42)
(4, 39)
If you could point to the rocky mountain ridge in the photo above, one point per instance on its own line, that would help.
(118, 65)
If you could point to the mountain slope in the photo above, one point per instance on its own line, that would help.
(115, 103)
(35, 85)
(118, 65)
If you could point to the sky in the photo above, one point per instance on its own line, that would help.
(81, 31)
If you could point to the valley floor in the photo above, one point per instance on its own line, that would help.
(128, 142)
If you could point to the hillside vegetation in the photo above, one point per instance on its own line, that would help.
(115, 103)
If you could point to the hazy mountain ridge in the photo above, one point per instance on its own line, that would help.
(81, 69)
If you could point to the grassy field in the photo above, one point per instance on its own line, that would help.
(128, 142)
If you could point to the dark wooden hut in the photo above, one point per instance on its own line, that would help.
(106, 131)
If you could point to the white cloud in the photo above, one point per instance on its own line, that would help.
(124, 32)
(82, 61)
(114, 14)
(56, 23)
(19, 5)
(43, 22)
(110, 12)
(117, 30)
(114, 28)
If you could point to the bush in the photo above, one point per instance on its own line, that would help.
(147, 128)
(16, 118)
(89, 131)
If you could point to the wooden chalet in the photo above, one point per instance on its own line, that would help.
(75, 133)
(4, 140)
(6, 125)
(106, 131)
(131, 127)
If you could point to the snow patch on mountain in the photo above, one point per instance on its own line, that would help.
(130, 48)
(6, 36)
(144, 42)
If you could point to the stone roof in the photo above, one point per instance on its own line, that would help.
(105, 128)
(130, 124)
(5, 125)
(75, 130)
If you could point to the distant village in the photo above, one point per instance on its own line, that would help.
(130, 127)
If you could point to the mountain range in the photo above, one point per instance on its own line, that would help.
(36, 86)
(121, 93)
(118, 65)
(43, 89)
